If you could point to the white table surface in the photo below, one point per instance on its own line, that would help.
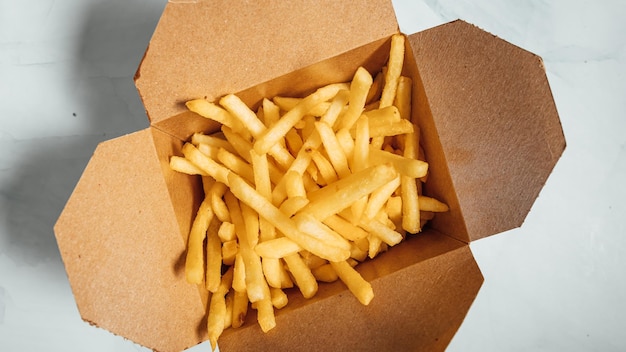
(555, 284)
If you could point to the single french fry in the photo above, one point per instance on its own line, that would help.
(279, 298)
(302, 274)
(432, 204)
(410, 205)
(360, 288)
(185, 166)
(213, 257)
(194, 262)
(229, 251)
(325, 273)
(215, 194)
(273, 271)
(229, 300)
(360, 153)
(359, 89)
(375, 89)
(394, 70)
(239, 273)
(311, 260)
(240, 308)
(265, 313)
(277, 248)
(226, 232)
(217, 309)
(251, 221)
(405, 166)
(271, 112)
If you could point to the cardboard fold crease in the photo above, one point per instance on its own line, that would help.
(489, 128)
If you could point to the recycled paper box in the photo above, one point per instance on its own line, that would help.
(489, 128)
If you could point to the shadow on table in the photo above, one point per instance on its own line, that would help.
(111, 44)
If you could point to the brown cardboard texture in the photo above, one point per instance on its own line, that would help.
(489, 128)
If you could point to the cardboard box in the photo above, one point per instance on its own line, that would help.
(489, 127)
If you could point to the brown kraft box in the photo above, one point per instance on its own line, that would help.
(489, 128)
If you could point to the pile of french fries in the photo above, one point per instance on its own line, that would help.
(303, 190)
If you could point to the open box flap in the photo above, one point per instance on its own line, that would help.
(490, 105)
(423, 290)
(211, 48)
(126, 259)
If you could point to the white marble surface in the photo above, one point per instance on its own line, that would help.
(556, 284)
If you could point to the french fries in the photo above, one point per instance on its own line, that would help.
(303, 190)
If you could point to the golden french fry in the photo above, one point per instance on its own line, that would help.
(229, 251)
(394, 70)
(239, 274)
(405, 166)
(279, 298)
(410, 205)
(432, 204)
(271, 112)
(277, 248)
(217, 309)
(226, 232)
(360, 288)
(194, 263)
(240, 308)
(215, 194)
(213, 257)
(302, 274)
(185, 166)
(273, 271)
(265, 313)
(359, 89)
(325, 273)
